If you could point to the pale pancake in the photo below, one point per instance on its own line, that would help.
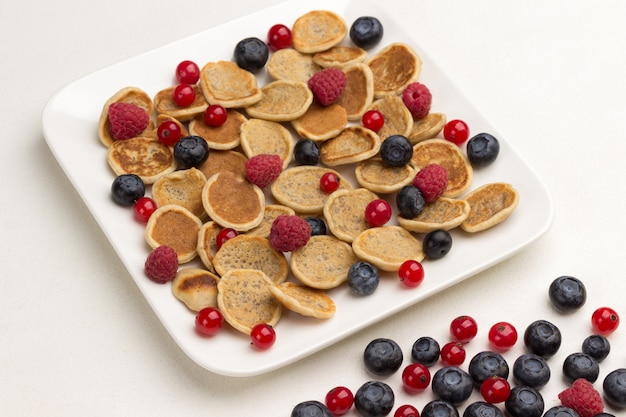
(490, 204)
(387, 247)
(449, 156)
(377, 176)
(299, 188)
(304, 300)
(339, 56)
(345, 212)
(427, 127)
(289, 64)
(144, 157)
(442, 214)
(222, 137)
(318, 30)
(245, 299)
(358, 94)
(282, 101)
(320, 123)
(227, 160)
(164, 104)
(272, 211)
(398, 118)
(174, 226)
(265, 137)
(132, 95)
(353, 144)
(226, 84)
(394, 67)
(183, 188)
(322, 263)
(207, 246)
(196, 288)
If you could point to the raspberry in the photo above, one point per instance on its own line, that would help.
(327, 85)
(262, 170)
(583, 398)
(127, 120)
(289, 233)
(417, 99)
(161, 264)
(432, 181)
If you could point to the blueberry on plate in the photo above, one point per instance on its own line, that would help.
(382, 356)
(531, 370)
(366, 32)
(306, 152)
(580, 365)
(191, 151)
(363, 278)
(439, 408)
(374, 399)
(486, 364)
(251, 54)
(318, 225)
(425, 350)
(396, 151)
(482, 149)
(561, 411)
(311, 409)
(127, 189)
(567, 294)
(524, 402)
(614, 387)
(482, 409)
(597, 346)
(410, 201)
(452, 384)
(437, 244)
(542, 338)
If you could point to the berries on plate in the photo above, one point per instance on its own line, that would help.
(452, 384)
(366, 32)
(396, 151)
(184, 95)
(542, 338)
(456, 131)
(251, 54)
(289, 232)
(596, 346)
(191, 151)
(363, 278)
(169, 132)
(377, 212)
(187, 72)
(495, 389)
(126, 189)
(161, 264)
(432, 181)
(263, 336)
(567, 293)
(339, 400)
(604, 321)
(410, 201)
(327, 85)
(580, 365)
(382, 356)
(209, 321)
(524, 402)
(425, 350)
(531, 370)
(411, 273)
(279, 37)
(374, 399)
(329, 182)
(311, 408)
(127, 120)
(453, 354)
(306, 152)
(143, 208)
(417, 98)
(463, 328)
(437, 244)
(215, 115)
(415, 377)
(502, 336)
(487, 364)
(583, 398)
(373, 120)
(482, 149)
(614, 388)
(263, 169)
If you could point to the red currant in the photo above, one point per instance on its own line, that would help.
(279, 36)
(329, 182)
(224, 235)
(453, 354)
(377, 212)
(263, 336)
(187, 72)
(495, 389)
(209, 321)
(411, 273)
(415, 377)
(183, 95)
(406, 410)
(339, 400)
(143, 208)
(215, 115)
(463, 329)
(373, 120)
(502, 336)
(604, 321)
(169, 133)
(456, 131)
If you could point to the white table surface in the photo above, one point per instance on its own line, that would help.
(76, 336)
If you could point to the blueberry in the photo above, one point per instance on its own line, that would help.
(567, 294)
(410, 201)
(580, 365)
(191, 151)
(542, 338)
(127, 189)
(318, 225)
(597, 346)
(382, 357)
(561, 411)
(437, 244)
(604, 415)
(486, 364)
(396, 151)
(482, 149)
(251, 54)
(311, 409)
(614, 387)
(366, 32)
(531, 370)
(482, 409)
(374, 399)
(426, 351)
(439, 408)
(363, 278)
(452, 384)
(524, 402)
(306, 152)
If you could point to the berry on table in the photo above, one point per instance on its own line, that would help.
(561, 411)
(482, 409)
(184, 95)
(377, 212)
(583, 398)
(382, 356)
(215, 115)
(487, 364)
(161, 264)
(126, 189)
(289, 232)
(327, 85)
(415, 377)
(223, 235)
(567, 293)
(311, 408)
(143, 208)
(263, 169)
(614, 388)
(339, 400)
(329, 182)
(580, 365)
(437, 244)
(542, 338)
(495, 389)
(596, 346)
(411, 273)
(524, 402)
(374, 399)
(396, 151)
(432, 181)
(191, 151)
(127, 120)
(604, 321)
(363, 278)
(209, 321)
(373, 120)
(366, 32)
(187, 72)
(263, 336)
(531, 370)
(502, 336)
(406, 410)
(417, 98)
(482, 149)
(279, 37)
(439, 408)
(425, 350)
(169, 132)
(453, 354)
(452, 384)
(251, 54)
(463, 328)
(456, 131)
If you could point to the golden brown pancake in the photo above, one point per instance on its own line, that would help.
(304, 300)
(174, 226)
(164, 104)
(427, 127)
(144, 157)
(207, 243)
(490, 204)
(320, 123)
(394, 67)
(228, 160)
(289, 64)
(318, 30)
(196, 288)
(183, 188)
(375, 175)
(353, 144)
(282, 101)
(339, 56)
(226, 84)
(387, 247)
(398, 118)
(444, 213)
(222, 137)
(265, 137)
(358, 94)
(132, 95)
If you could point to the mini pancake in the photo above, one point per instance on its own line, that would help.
(164, 104)
(132, 95)
(222, 137)
(265, 137)
(394, 67)
(289, 64)
(398, 118)
(442, 214)
(272, 211)
(226, 84)
(339, 56)
(345, 212)
(378, 177)
(245, 299)
(322, 263)
(282, 101)
(490, 204)
(232, 201)
(196, 288)
(144, 157)
(174, 226)
(448, 155)
(183, 188)
(318, 30)
(207, 246)
(304, 300)
(320, 123)
(427, 127)
(353, 144)
(358, 94)
(299, 188)
(387, 247)
(224, 160)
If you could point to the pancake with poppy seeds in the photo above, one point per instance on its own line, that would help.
(183, 188)
(196, 288)
(353, 144)
(320, 123)
(344, 212)
(289, 64)
(427, 127)
(387, 247)
(394, 67)
(265, 137)
(490, 204)
(144, 157)
(226, 84)
(379, 177)
(165, 104)
(224, 137)
(304, 300)
(224, 160)
(318, 30)
(444, 213)
(339, 56)
(398, 118)
(282, 101)
(131, 95)
(174, 226)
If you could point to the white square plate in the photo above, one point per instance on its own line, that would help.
(70, 127)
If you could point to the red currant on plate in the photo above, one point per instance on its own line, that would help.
(411, 273)
(415, 377)
(453, 354)
(329, 182)
(215, 115)
(169, 133)
(263, 336)
(183, 95)
(143, 208)
(373, 120)
(339, 400)
(187, 72)
(224, 235)
(279, 36)
(502, 336)
(406, 410)
(604, 320)
(495, 389)
(209, 321)
(377, 212)
(463, 328)
(456, 131)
